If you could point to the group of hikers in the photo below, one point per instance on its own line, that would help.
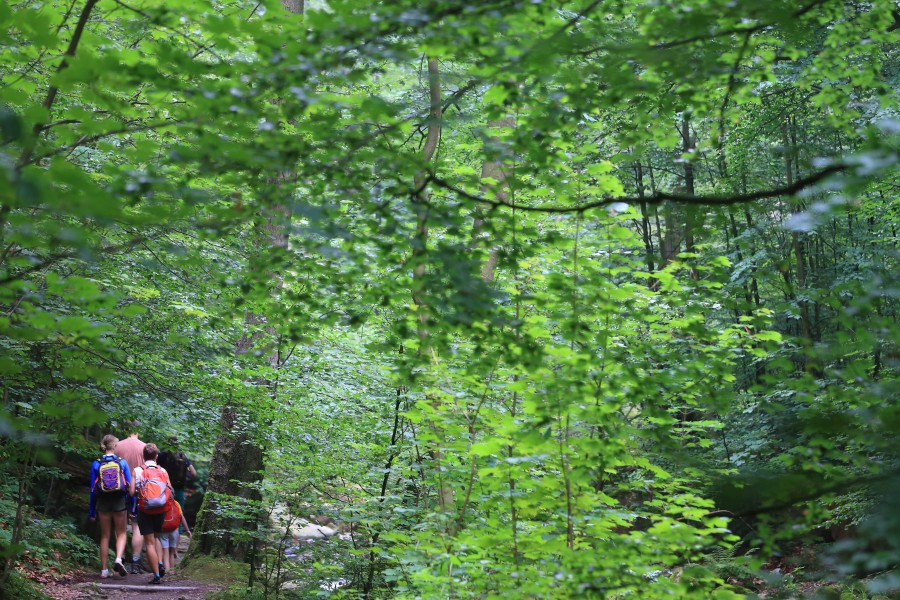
(133, 482)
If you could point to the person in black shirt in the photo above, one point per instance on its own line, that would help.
(178, 466)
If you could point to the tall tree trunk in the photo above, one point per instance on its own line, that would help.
(238, 459)
(420, 258)
(670, 246)
(754, 284)
(790, 150)
(748, 304)
(722, 165)
(493, 168)
(660, 240)
(689, 210)
(686, 147)
(646, 229)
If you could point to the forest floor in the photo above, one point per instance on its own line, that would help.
(84, 585)
(89, 586)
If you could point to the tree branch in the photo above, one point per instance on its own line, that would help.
(53, 90)
(61, 256)
(748, 30)
(70, 51)
(201, 47)
(732, 81)
(655, 198)
(99, 136)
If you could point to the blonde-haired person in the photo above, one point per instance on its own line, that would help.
(111, 484)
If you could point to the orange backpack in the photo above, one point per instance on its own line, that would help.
(173, 517)
(153, 492)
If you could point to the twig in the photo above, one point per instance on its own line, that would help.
(87, 139)
(732, 80)
(201, 46)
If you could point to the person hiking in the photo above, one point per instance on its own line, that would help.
(179, 468)
(153, 493)
(111, 484)
(174, 520)
(132, 450)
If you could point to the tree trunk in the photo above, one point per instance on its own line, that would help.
(686, 147)
(670, 247)
(754, 284)
(646, 229)
(238, 465)
(493, 169)
(446, 499)
(796, 243)
(689, 210)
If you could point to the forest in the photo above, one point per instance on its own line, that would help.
(500, 299)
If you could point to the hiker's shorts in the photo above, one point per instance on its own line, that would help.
(168, 539)
(109, 502)
(148, 524)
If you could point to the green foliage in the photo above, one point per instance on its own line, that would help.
(50, 546)
(20, 587)
(235, 593)
(500, 366)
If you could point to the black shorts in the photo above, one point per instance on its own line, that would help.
(109, 502)
(148, 524)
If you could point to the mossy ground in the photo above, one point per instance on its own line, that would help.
(215, 570)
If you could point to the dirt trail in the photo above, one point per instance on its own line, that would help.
(88, 586)
(83, 586)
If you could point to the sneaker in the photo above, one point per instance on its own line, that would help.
(135, 569)
(155, 581)
(162, 570)
(120, 568)
(104, 573)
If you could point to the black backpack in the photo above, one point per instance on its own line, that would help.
(177, 466)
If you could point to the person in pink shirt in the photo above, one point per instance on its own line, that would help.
(132, 450)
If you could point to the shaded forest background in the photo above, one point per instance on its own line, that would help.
(525, 299)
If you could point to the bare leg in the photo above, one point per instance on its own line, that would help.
(152, 557)
(137, 540)
(105, 519)
(118, 519)
(173, 548)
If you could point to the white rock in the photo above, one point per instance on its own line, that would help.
(312, 532)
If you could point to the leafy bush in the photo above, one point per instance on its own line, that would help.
(18, 586)
(49, 545)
